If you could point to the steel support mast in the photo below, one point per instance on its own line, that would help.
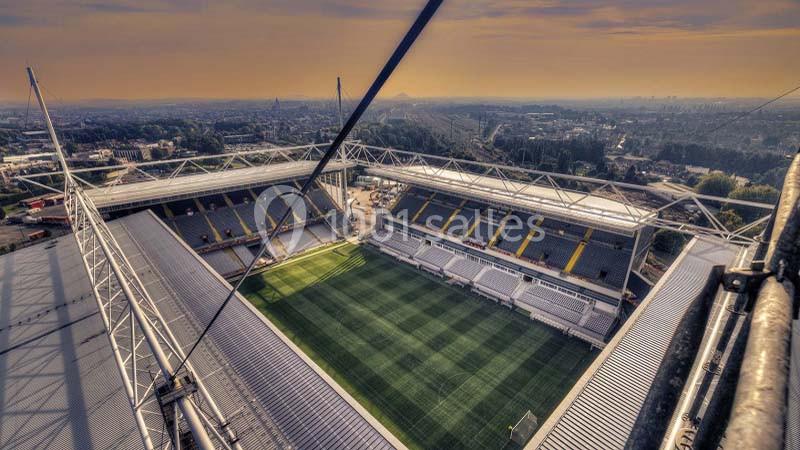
(144, 349)
(343, 156)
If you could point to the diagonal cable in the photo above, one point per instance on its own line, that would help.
(413, 33)
(747, 113)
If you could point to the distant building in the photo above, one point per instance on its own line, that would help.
(42, 201)
(102, 154)
(133, 153)
(144, 152)
(18, 159)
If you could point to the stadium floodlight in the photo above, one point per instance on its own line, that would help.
(413, 33)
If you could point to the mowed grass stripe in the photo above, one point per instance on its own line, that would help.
(438, 366)
(330, 313)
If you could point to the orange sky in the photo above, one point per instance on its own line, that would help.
(513, 48)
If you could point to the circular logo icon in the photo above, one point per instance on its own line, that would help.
(271, 205)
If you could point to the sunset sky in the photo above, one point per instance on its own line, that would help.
(491, 48)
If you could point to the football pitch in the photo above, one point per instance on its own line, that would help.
(438, 366)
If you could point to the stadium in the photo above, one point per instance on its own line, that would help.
(439, 327)
(454, 304)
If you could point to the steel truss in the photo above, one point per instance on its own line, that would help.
(177, 167)
(470, 175)
(144, 348)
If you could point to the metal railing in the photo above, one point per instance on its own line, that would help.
(758, 418)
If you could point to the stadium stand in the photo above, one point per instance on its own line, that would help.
(321, 200)
(240, 196)
(323, 233)
(498, 281)
(462, 218)
(305, 240)
(483, 231)
(212, 202)
(276, 208)
(223, 262)
(612, 239)
(435, 257)
(181, 207)
(410, 203)
(599, 323)
(245, 254)
(553, 296)
(555, 310)
(193, 228)
(602, 264)
(511, 238)
(464, 268)
(435, 215)
(564, 228)
(400, 243)
(552, 250)
(210, 222)
(225, 220)
(597, 256)
(247, 213)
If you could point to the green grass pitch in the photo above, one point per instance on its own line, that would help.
(438, 366)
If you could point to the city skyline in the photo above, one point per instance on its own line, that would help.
(489, 49)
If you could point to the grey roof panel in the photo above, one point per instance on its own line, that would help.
(58, 382)
(308, 411)
(601, 410)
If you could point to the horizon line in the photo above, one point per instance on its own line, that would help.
(396, 98)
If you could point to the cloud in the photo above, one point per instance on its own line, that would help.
(116, 8)
(9, 20)
(688, 22)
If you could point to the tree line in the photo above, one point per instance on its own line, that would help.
(747, 164)
(525, 151)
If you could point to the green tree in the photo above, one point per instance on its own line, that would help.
(632, 176)
(70, 148)
(563, 163)
(668, 241)
(756, 193)
(760, 193)
(210, 144)
(601, 167)
(715, 183)
(730, 219)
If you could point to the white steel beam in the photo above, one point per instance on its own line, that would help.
(129, 314)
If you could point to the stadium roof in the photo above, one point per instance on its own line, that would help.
(592, 209)
(145, 193)
(602, 408)
(59, 387)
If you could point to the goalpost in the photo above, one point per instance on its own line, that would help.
(523, 430)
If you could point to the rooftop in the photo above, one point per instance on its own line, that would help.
(576, 206)
(145, 193)
(59, 386)
(593, 415)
